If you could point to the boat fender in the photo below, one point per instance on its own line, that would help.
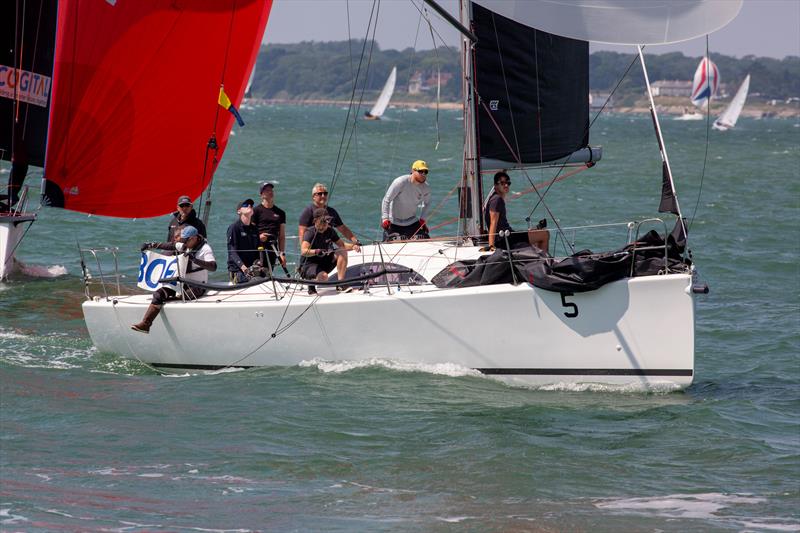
(700, 288)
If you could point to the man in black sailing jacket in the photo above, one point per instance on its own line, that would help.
(184, 216)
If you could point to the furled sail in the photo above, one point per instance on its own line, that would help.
(27, 37)
(532, 86)
(620, 21)
(729, 117)
(135, 120)
(386, 95)
(705, 84)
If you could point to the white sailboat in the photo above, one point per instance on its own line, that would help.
(728, 118)
(383, 99)
(520, 316)
(704, 88)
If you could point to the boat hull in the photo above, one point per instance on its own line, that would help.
(12, 228)
(634, 332)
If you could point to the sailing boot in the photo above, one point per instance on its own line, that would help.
(147, 321)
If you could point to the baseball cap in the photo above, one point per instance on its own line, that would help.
(188, 231)
(183, 200)
(266, 185)
(246, 203)
(419, 164)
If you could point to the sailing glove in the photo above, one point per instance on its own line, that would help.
(386, 223)
(148, 245)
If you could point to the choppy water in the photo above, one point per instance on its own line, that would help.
(93, 442)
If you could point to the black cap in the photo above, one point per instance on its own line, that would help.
(266, 185)
(246, 203)
(184, 200)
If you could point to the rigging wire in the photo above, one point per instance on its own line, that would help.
(350, 56)
(588, 128)
(340, 155)
(705, 160)
(212, 141)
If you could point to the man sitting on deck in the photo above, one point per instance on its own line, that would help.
(200, 262)
(318, 254)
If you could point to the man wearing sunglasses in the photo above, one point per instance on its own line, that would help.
(319, 199)
(319, 255)
(184, 216)
(405, 205)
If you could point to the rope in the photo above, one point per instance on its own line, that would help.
(705, 161)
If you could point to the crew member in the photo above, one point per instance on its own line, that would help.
(243, 244)
(271, 223)
(319, 256)
(495, 213)
(405, 205)
(319, 199)
(184, 216)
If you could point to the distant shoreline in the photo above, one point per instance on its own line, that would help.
(759, 110)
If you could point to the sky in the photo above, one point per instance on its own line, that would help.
(768, 28)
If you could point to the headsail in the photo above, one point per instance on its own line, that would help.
(729, 117)
(532, 87)
(135, 95)
(705, 84)
(386, 95)
(620, 21)
(27, 37)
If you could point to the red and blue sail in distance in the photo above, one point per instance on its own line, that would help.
(135, 120)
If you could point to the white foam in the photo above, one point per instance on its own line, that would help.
(41, 271)
(663, 387)
(702, 506)
(7, 518)
(11, 335)
(443, 369)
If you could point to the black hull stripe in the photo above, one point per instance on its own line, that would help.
(587, 371)
(509, 371)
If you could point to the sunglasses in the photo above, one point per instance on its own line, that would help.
(322, 193)
(423, 171)
(184, 205)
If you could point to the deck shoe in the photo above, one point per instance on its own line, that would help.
(342, 288)
(312, 290)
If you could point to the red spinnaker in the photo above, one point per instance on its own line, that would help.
(134, 100)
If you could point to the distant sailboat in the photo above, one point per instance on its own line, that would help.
(704, 88)
(728, 118)
(383, 100)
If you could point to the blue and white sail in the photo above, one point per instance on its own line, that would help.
(705, 84)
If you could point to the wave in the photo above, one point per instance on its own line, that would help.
(442, 369)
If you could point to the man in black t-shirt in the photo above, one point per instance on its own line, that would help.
(318, 253)
(271, 223)
(319, 199)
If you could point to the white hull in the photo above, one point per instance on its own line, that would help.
(12, 228)
(634, 332)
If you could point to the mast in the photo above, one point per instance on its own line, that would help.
(470, 194)
(669, 198)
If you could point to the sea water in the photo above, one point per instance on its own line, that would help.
(90, 441)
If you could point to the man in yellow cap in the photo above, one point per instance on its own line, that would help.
(406, 204)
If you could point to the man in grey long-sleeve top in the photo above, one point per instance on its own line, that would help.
(406, 204)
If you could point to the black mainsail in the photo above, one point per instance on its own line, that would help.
(533, 90)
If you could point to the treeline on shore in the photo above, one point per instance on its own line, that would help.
(325, 70)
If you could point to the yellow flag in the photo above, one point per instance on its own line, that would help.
(224, 101)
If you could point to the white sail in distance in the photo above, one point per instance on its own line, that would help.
(729, 117)
(386, 95)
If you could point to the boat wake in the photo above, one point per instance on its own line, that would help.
(442, 369)
(41, 271)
